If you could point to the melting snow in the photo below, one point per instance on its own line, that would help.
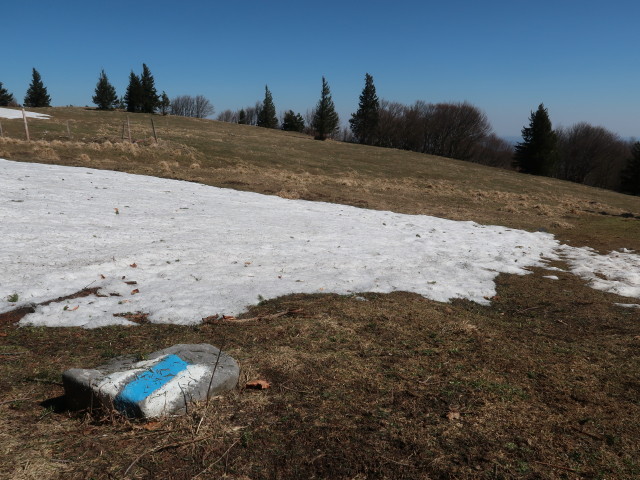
(12, 113)
(194, 250)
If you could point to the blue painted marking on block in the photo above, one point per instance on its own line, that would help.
(148, 382)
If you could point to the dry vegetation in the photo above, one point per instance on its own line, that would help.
(541, 384)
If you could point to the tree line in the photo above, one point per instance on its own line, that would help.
(582, 153)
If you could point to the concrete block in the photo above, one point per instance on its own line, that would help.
(164, 383)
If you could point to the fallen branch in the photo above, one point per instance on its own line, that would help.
(262, 317)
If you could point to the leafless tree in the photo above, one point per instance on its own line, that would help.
(250, 114)
(494, 152)
(203, 107)
(188, 106)
(446, 129)
(182, 105)
(591, 155)
(228, 116)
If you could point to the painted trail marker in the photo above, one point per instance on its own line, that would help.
(165, 383)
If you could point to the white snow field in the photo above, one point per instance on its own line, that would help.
(196, 251)
(11, 113)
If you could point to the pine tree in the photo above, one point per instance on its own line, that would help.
(134, 96)
(165, 103)
(631, 175)
(325, 120)
(150, 99)
(267, 114)
(6, 98)
(105, 94)
(242, 117)
(364, 123)
(536, 153)
(293, 122)
(37, 95)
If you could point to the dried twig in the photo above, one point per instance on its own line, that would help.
(215, 367)
(43, 380)
(218, 460)
(164, 447)
(263, 317)
(559, 467)
(592, 435)
(14, 400)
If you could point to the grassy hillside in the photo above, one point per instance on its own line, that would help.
(295, 166)
(541, 384)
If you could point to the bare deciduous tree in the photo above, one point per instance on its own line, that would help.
(493, 151)
(188, 106)
(446, 129)
(203, 107)
(591, 155)
(228, 116)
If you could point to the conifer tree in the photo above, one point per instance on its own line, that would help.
(325, 120)
(242, 117)
(292, 122)
(105, 94)
(150, 99)
(267, 114)
(364, 123)
(37, 95)
(631, 174)
(165, 103)
(6, 98)
(536, 153)
(134, 96)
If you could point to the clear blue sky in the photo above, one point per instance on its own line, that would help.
(580, 57)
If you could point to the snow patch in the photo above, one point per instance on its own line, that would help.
(11, 113)
(181, 251)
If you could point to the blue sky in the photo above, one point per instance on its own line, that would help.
(579, 57)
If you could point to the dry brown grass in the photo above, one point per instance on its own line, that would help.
(541, 384)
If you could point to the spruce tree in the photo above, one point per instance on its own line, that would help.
(242, 117)
(37, 95)
(267, 114)
(165, 103)
(134, 95)
(631, 175)
(105, 94)
(6, 98)
(292, 122)
(150, 99)
(536, 153)
(325, 120)
(364, 123)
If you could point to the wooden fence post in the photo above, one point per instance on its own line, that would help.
(122, 131)
(26, 126)
(153, 126)
(129, 129)
(1, 132)
(68, 130)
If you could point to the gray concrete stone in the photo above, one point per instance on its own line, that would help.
(164, 383)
